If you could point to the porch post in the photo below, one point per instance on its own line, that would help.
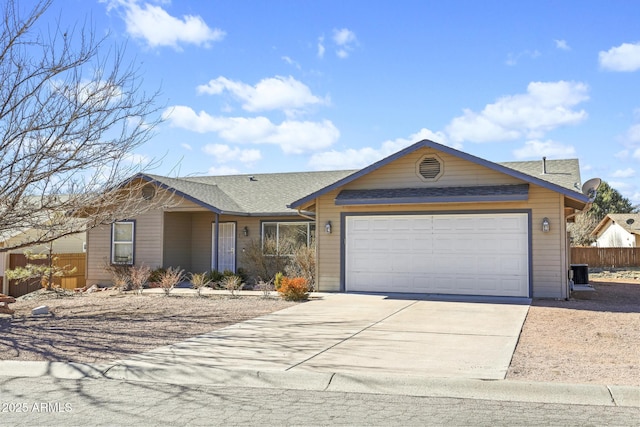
(215, 242)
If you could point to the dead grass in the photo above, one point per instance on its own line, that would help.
(595, 340)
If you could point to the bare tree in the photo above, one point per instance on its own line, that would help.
(71, 114)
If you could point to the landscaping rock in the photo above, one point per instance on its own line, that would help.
(40, 311)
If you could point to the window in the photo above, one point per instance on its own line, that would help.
(122, 234)
(283, 237)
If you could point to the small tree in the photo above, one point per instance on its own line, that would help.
(45, 272)
(71, 114)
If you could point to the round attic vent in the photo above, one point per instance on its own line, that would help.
(148, 192)
(630, 221)
(430, 168)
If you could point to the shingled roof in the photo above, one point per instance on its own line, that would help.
(271, 194)
(257, 194)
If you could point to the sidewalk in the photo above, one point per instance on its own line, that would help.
(497, 390)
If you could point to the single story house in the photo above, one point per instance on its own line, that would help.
(618, 231)
(427, 219)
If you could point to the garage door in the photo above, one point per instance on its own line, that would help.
(464, 254)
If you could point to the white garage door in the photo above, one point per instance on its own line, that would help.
(470, 254)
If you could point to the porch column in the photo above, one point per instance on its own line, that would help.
(216, 227)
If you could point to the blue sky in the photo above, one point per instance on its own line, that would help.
(268, 86)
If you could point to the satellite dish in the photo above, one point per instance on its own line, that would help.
(590, 188)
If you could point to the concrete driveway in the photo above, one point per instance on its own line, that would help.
(356, 333)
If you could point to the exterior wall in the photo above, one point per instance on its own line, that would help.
(457, 173)
(72, 244)
(548, 254)
(614, 236)
(148, 246)
(177, 240)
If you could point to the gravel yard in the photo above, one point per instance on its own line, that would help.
(595, 340)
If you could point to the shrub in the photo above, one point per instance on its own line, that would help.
(233, 284)
(303, 264)
(262, 259)
(170, 278)
(120, 275)
(265, 287)
(138, 277)
(157, 274)
(214, 277)
(277, 281)
(199, 281)
(294, 289)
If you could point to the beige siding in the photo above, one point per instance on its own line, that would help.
(457, 172)
(147, 250)
(72, 244)
(548, 261)
(177, 240)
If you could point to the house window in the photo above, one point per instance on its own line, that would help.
(284, 237)
(122, 238)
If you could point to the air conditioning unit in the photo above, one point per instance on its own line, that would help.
(580, 274)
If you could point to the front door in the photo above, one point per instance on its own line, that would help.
(226, 246)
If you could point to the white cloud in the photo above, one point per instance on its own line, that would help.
(624, 173)
(224, 154)
(321, 48)
(186, 146)
(291, 62)
(633, 134)
(545, 106)
(538, 149)
(562, 45)
(275, 93)
(223, 170)
(137, 159)
(625, 57)
(359, 158)
(513, 58)
(345, 40)
(292, 136)
(158, 28)
(636, 154)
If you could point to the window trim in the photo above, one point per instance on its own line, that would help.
(278, 223)
(132, 242)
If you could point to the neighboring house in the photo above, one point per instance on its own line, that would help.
(74, 243)
(618, 230)
(428, 219)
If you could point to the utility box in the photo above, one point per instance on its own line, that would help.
(580, 274)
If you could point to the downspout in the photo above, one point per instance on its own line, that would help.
(215, 243)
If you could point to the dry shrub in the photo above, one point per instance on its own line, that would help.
(120, 275)
(233, 284)
(199, 281)
(303, 264)
(138, 277)
(170, 278)
(294, 289)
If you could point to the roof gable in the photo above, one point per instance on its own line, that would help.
(552, 181)
(630, 222)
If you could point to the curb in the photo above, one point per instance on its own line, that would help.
(497, 390)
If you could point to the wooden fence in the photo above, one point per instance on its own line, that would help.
(606, 257)
(71, 281)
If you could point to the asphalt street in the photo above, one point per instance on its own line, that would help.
(57, 402)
